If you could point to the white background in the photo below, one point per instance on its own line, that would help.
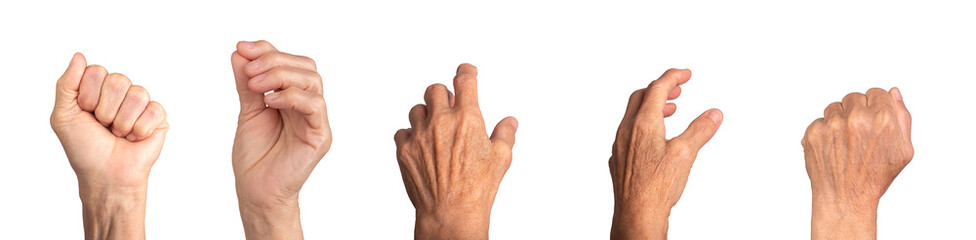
(564, 69)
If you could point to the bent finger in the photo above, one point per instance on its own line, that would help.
(151, 118)
(286, 77)
(272, 60)
(132, 107)
(251, 50)
(312, 105)
(91, 87)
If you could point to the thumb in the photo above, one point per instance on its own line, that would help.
(904, 117)
(251, 101)
(702, 129)
(67, 86)
(154, 143)
(505, 131)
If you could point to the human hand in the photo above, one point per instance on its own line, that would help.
(280, 136)
(450, 167)
(852, 155)
(112, 134)
(649, 171)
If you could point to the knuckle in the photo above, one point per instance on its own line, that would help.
(316, 83)
(118, 78)
(272, 58)
(141, 130)
(97, 69)
(418, 109)
(638, 93)
(309, 60)
(275, 73)
(858, 119)
(154, 109)
(852, 96)
(883, 120)
(263, 43)
(316, 77)
(873, 91)
(814, 131)
(464, 78)
(836, 122)
(436, 89)
(660, 83)
(832, 107)
(138, 93)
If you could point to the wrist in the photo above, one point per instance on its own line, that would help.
(639, 222)
(834, 217)
(265, 221)
(438, 225)
(113, 212)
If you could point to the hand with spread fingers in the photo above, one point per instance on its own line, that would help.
(450, 166)
(112, 134)
(280, 138)
(649, 171)
(852, 155)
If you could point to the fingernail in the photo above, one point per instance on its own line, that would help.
(131, 138)
(715, 115)
(247, 44)
(514, 122)
(897, 93)
(463, 70)
(258, 78)
(272, 96)
(254, 65)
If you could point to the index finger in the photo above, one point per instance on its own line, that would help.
(466, 86)
(904, 117)
(652, 108)
(254, 50)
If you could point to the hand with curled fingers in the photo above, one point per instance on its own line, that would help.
(112, 134)
(852, 155)
(450, 166)
(649, 171)
(280, 137)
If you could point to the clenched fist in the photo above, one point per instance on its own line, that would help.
(112, 134)
(280, 138)
(852, 155)
(649, 171)
(450, 167)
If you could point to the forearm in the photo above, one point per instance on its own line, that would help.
(271, 222)
(451, 226)
(639, 223)
(113, 212)
(843, 219)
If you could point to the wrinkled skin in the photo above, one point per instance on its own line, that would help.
(450, 167)
(280, 137)
(852, 155)
(112, 134)
(649, 171)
